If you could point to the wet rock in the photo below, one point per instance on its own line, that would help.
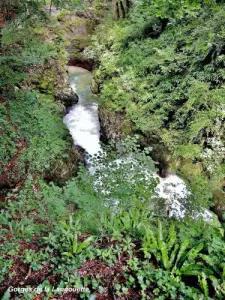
(64, 167)
(159, 153)
(77, 31)
(95, 87)
(67, 97)
(114, 125)
(81, 62)
(219, 204)
(81, 151)
(48, 78)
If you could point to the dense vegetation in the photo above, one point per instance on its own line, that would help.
(162, 67)
(29, 115)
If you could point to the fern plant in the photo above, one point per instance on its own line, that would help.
(172, 254)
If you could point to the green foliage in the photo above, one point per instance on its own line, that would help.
(35, 6)
(158, 256)
(36, 260)
(125, 174)
(28, 118)
(37, 117)
(7, 147)
(66, 239)
(22, 48)
(100, 231)
(170, 253)
(163, 67)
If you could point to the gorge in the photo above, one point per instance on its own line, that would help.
(82, 120)
(112, 149)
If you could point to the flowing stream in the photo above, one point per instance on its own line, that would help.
(83, 124)
(82, 120)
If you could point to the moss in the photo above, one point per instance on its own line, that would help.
(50, 77)
(187, 167)
(77, 32)
(126, 127)
(64, 167)
(94, 86)
(114, 125)
(61, 15)
(47, 82)
(219, 203)
(82, 26)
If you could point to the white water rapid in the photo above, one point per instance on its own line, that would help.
(83, 124)
(82, 120)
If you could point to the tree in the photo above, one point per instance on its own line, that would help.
(120, 8)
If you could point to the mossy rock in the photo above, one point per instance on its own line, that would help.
(67, 97)
(78, 44)
(187, 167)
(94, 86)
(47, 82)
(64, 167)
(77, 25)
(159, 153)
(114, 125)
(219, 204)
(77, 32)
(50, 77)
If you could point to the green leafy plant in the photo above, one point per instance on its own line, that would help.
(163, 71)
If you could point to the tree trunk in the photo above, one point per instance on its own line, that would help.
(27, 10)
(50, 9)
(120, 8)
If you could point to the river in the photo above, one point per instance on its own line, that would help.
(83, 123)
(82, 120)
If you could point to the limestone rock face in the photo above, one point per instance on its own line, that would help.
(77, 31)
(67, 97)
(219, 203)
(48, 78)
(114, 125)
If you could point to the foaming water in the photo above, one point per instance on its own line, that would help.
(82, 120)
(174, 189)
(83, 124)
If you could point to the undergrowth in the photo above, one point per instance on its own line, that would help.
(163, 67)
(111, 238)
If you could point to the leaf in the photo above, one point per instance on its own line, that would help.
(69, 254)
(6, 296)
(172, 237)
(173, 254)
(84, 244)
(165, 257)
(211, 261)
(75, 244)
(181, 252)
(160, 233)
(193, 253)
(204, 284)
(195, 269)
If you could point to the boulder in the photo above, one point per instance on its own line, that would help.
(114, 125)
(67, 97)
(219, 204)
(64, 167)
